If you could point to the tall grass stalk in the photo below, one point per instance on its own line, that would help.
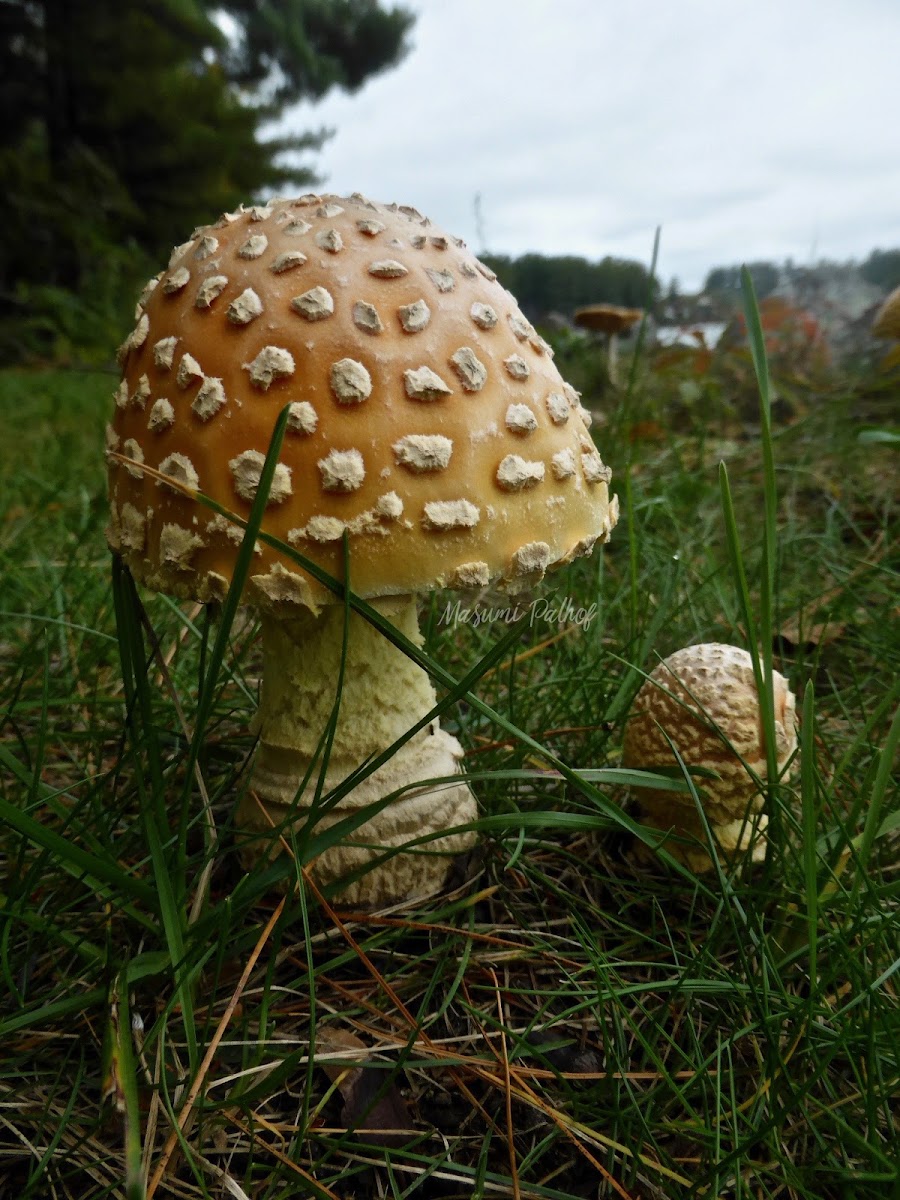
(767, 581)
(760, 621)
(627, 428)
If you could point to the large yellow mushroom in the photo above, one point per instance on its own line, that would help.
(428, 426)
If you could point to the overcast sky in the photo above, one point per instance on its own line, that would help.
(745, 130)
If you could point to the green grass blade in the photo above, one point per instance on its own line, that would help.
(234, 596)
(873, 825)
(102, 876)
(810, 820)
(121, 1084)
(770, 530)
(151, 795)
(627, 442)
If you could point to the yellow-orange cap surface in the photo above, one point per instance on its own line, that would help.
(427, 419)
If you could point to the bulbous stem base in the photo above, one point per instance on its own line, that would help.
(383, 694)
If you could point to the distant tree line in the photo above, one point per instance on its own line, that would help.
(881, 268)
(545, 284)
(765, 277)
(126, 123)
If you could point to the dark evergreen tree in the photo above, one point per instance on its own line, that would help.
(765, 277)
(562, 283)
(294, 49)
(128, 123)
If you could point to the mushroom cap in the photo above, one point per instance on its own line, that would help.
(887, 319)
(427, 419)
(607, 318)
(704, 697)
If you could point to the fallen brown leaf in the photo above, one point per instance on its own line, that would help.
(378, 1114)
(563, 1054)
(802, 632)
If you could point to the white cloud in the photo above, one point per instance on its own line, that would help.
(746, 130)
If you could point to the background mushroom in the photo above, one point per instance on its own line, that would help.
(887, 325)
(704, 698)
(428, 424)
(609, 319)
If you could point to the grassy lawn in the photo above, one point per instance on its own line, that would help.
(571, 1018)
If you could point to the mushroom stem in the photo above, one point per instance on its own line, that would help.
(612, 359)
(383, 694)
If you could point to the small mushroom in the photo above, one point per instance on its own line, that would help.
(611, 320)
(704, 699)
(887, 319)
(396, 443)
(887, 325)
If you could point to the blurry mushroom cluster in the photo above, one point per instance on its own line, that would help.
(887, 326)
(887, 319)
(428, 427)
